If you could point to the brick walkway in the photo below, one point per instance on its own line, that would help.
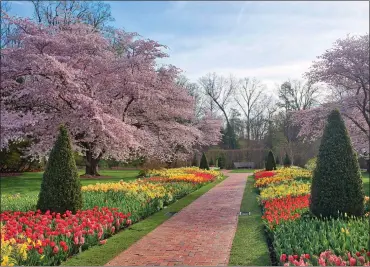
(200, 234)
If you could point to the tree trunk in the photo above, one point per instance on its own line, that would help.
(91, 164)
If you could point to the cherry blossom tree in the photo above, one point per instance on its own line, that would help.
(106, 90)
(345, 69)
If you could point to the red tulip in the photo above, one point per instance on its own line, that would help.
(283, 257)
(352, 261)
(55, 250)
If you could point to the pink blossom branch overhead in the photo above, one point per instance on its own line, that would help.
(105, 88)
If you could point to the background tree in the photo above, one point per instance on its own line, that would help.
(248, 96)
(94, 13)
(345, 69)
(61, 186)
(115, 102)
(338, 172)
(297, 95)
(220, 90)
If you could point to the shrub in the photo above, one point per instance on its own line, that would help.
(287, 161)
(221, 161)
(61, 186)
(336, 182)
(270, 163)
(203, 162)
(311, 164)
(211, 163)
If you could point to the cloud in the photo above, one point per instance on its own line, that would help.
(273, 41)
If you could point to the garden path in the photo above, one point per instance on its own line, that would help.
(200, 234)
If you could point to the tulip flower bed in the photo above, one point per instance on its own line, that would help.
(31, 238)
(302, 240)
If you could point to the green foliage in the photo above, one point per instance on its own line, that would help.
(287, 161)
(211, 163)
(18, 202)
(336, 183)
(338, 235)
(270, 162)
(222, 161)
(61, 186)
(311, 164)
(137, 204)
(14, 159)
(194, 162)
(203, 162)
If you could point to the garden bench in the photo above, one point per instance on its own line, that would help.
(248, 165)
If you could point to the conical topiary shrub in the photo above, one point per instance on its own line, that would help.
(270, 162)
(204, 162)
(61, 186)
(221, 161)
(287, 161)
(336, 184)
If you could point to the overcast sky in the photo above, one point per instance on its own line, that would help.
(272, 41)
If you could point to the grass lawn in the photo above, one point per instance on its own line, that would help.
(243, 171)
(249, 246)
(366, 183)
(100, 255)
(30, 182)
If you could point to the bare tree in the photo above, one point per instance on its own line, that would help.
(296, 95)
(261, 119)
(248, 96)
(95, 13)
(6, 28)
(220, 90)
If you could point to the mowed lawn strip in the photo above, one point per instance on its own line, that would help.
(366, 183)
(249, 246)
(30, 182)
(242, 171)
(100, 255)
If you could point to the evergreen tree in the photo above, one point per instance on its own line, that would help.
(270, 162)
(221, 161)
(336, 184)
(211, 163)
(61, 186)
(287, 161)
(204, 162)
